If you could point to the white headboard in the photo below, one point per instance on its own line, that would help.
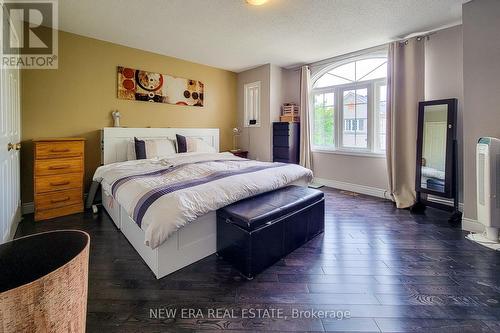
(114, 140)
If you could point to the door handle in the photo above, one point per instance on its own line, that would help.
(15, 146)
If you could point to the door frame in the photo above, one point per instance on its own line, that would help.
(13, 137)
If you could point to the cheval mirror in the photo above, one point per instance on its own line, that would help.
(436, 163)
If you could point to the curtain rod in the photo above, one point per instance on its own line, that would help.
(425, 36)
(404, 40)
(418, 35)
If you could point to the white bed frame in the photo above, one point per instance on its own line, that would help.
(193, 242)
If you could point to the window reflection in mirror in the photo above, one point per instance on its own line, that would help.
(434, 147)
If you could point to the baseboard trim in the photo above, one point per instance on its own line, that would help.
(444, 201)
(467, 223)
(362, 189)
(471, 225)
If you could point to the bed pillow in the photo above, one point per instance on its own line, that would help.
(193, 145)
(131, 150)
(151, 148)
(140, 149)
(199, 146)
(181, 143)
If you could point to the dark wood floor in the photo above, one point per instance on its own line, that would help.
(392, 271)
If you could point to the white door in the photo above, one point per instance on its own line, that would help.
(435, 144)
(10, 137)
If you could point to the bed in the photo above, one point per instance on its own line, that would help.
(171, 225)
(433, 179)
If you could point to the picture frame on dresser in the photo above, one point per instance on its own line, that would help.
(58, 175)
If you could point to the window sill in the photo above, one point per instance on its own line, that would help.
(349, 152)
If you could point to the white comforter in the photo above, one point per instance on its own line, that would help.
(433, 173)
(162, 195)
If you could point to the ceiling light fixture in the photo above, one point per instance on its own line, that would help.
(256, 2)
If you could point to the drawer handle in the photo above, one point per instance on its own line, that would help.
(59, 167)
(59, 150)
(59, 200)
(59, 183)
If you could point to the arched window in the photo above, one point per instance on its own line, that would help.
(349, 106)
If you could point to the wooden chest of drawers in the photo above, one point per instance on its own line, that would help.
(58, 177)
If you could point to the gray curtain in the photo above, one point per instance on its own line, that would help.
(405, 89)
(305, 124)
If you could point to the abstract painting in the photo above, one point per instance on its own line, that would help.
(139, 85)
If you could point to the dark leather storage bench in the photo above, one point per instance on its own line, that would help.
(254, 233)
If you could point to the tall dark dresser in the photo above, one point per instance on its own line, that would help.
(286, 142)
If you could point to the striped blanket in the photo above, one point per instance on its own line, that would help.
(162, 195)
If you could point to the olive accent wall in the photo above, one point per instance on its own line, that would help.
(77, 99)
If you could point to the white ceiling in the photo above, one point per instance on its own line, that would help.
(232, 35)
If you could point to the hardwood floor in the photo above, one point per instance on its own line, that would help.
(385, 269)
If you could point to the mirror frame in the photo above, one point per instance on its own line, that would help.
(449, 184)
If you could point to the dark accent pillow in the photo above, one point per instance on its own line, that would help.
(140, 149)
(181, 143)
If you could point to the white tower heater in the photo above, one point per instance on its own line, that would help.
(488, 186)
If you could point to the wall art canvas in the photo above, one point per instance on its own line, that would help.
(139, 85)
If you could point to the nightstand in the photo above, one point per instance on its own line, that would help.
(240, 153)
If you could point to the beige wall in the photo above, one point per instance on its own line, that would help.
(76, 99)
(276, 98)
(444, 79)
(481, 116)
(291, 86)
(256, 140)
(358, 170)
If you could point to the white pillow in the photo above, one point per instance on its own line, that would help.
(195, 145)
(131, 150)
(157, 147)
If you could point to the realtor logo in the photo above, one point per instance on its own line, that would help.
(29, 34)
